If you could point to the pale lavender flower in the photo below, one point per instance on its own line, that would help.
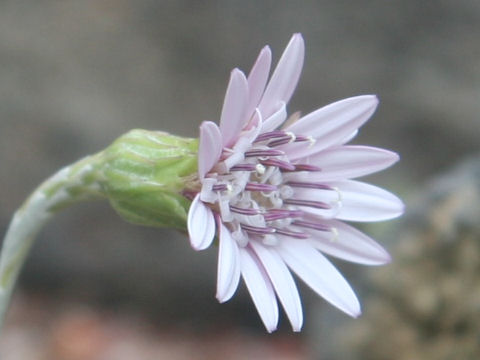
(276, 197)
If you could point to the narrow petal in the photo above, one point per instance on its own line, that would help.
(346, 162)
(318, 273)
(200, 224)
(257, 79)
(276, 119)
(228, 274)
(347, 243)
(283, 283)
(331, 124)
(348, 138)
(355, 201)
(233, 117)
(251, 133)
(260, 288)
(365, 202)
(285, 77)
(209, 148)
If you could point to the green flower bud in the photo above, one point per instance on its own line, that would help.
(143, 174)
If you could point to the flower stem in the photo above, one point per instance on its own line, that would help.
(71, 184)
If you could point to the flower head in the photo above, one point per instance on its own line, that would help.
(276, 196)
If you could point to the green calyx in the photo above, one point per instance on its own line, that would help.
(143, 174)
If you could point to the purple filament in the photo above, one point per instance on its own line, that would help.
(244, 211)
(287, 139)
(270, 135)
(260, 187)
(264, 152)
(309, 203)
(309, 185)
(283, 165)
(290, 233)
(243, 167)
(256, 230)
(306, 167)
(219, 187)
(277, 214)
(311, 225)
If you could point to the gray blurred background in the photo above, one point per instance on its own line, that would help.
(74, 75)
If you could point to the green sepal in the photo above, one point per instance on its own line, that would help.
(144, 173)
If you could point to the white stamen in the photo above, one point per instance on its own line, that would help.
(270, 240)
(225, 212)
(286, 192)
(276, 178)
(339, 194)
(292, 136)
(266, 174)
(240, 237)
(260, 169)
(334, 232)
(206, 194)
(276, 201)
(337, 205)
(311, 141)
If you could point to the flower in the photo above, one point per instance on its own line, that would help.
(277, 197)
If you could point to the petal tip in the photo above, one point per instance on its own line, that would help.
(357, 314)
(236, 72)
(297, 36)
(221, 298)
(200, 225)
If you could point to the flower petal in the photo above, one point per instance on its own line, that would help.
(346, 162)
(348, 138)
(257, 79)
(260, 288)
(283, 283)
(331, 124)
(233, 118)
(347, 243)
(228, 274)
(276, 119)
(209, 148)
(285, 77)
(318, 273)
(200, 224)
(354, 201)
(365, 202)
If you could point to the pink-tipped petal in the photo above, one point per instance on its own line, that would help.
(276, 119)
(233, 115)
(331, 124)
(346, 162)
(209, 148)
(228, 274)
(260, 288)
(283, 283)
(347, 243)
(257, 79)
(200, 224)
(318, 273)
(285, 77)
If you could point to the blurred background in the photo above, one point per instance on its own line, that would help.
(74, 75)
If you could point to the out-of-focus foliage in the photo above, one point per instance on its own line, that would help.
(426, 305)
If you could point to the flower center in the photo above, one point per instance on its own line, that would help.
(256, 199)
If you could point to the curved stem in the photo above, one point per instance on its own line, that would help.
(69, 185)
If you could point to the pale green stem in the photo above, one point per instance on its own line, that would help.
(69, 185)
